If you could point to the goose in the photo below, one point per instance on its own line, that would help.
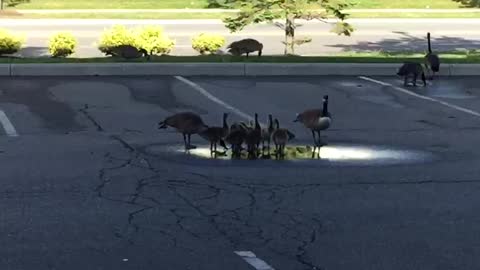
(280, 137)
(316, 120)
(267, 134)
(216, 135)
(235, 138)
(128, 52)
(432, 60)
(187, 123)
(253, 138)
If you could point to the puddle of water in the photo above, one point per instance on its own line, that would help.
(330, 154)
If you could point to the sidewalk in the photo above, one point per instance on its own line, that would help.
(51, 11)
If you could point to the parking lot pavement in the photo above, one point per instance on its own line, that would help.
(90, 183)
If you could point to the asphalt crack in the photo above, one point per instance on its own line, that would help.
(85, 112)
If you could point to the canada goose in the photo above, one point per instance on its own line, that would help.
(267, 134)
(128, 52)
(316, 120)
(280, 137)
(414, 69)
(245, 46)
(253, 138)
(187, 123)
(432, 61)
(235, 138)
(216, 135)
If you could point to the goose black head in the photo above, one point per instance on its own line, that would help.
(277, 124)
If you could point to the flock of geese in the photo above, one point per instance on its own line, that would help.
(251, 134)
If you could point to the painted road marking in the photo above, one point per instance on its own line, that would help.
(405, 91)
(7, 125)
(215, 99)
(253, 260)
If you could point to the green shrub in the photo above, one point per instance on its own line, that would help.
(207, 43)
(115, 36)
(62, 44)
(9, 43)
(150, 38)
(154, 40)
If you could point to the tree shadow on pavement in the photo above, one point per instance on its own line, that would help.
(409, 43)
(33, 52)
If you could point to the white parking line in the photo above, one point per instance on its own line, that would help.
(7, 125)
(204, 92)
(405, 91)
(252, 259)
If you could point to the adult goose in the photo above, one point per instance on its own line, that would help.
(187, 123)
(316, 120)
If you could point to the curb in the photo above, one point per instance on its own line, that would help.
(222, 69)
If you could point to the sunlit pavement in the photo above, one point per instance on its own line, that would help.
(89, 182)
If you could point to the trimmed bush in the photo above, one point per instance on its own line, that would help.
(9, 43)
(116, 36)
(151, 38)
(154, 40)
(207, 43)
(62, 44)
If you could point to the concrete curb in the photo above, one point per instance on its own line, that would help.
(221, 69)
(127, 69)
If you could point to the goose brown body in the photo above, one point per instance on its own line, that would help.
(127, 52)
(280, 137)
(216, 135)
(316, 119)
(253, 138)
(245, 46)
(187, 123)
(267, 134)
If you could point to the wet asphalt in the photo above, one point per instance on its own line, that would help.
(91, 183)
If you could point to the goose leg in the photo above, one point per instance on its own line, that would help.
(314, 140)
(319, 139)
(190, 146)
(268, 146)
(185, 141)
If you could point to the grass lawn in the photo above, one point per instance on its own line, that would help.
(186, 15)
(348, 57)
(159, 4)
(137, 15)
